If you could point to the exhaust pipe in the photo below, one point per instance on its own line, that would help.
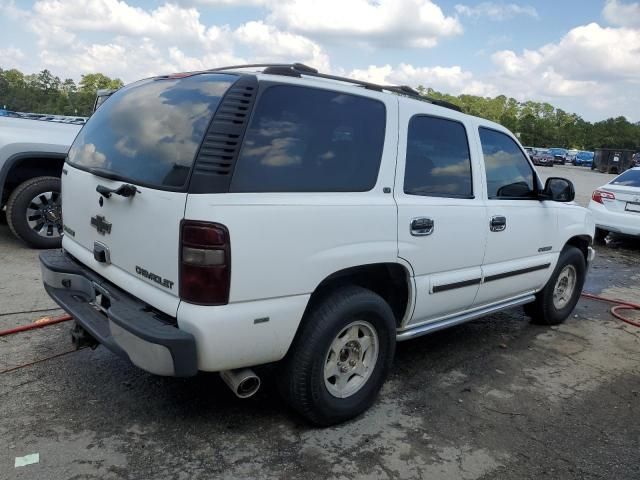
(243, 381)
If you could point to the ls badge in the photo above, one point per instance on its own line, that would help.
(102, 226)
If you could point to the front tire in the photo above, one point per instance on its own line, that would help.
(34, 214)
(555, 302)
(340, 356)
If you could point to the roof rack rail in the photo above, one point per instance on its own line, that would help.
(299, 69)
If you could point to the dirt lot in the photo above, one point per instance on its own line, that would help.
(495, 398)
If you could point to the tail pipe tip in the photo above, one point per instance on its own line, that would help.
(243, 381)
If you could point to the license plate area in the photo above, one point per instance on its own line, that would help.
(632, 207)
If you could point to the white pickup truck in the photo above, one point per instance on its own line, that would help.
(221, 220)
(32, 152)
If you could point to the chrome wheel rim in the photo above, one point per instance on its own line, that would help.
(565, 285)
(44, 214)
(351, 359)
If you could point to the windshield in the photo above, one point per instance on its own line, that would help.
(585, 155)
(630, 178)
(149, 132)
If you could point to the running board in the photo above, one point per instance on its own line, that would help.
(425, 328)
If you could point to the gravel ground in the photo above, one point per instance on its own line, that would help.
(494, 398)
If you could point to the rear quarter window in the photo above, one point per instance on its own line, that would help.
(303, 139)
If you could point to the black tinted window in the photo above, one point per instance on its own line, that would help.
(310, 140)
(630, 178)
(509, 174)
(149, 132)
(437, 161)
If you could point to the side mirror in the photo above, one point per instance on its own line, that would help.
(558, 189)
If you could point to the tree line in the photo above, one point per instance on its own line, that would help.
(540, 124)
(46, 93)
(537, 124)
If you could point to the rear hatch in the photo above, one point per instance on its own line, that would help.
(126, 182)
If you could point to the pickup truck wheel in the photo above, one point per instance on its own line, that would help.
(555, 302)
(340, 357)
(34, 212)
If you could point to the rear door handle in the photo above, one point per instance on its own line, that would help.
(498, 223)
(421, 226)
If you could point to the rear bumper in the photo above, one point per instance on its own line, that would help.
(122, 323)
(619, 222)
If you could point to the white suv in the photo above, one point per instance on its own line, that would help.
(220, 220)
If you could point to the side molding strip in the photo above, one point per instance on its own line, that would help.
(500, 276)
(451, 286)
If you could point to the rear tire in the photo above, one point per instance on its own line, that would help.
(351, 328)
(18, 211)
(554, 303)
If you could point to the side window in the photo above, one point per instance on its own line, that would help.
(438, 163)
(304, 139)
(509, 174)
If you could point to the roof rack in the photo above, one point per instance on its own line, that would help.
(299, 69)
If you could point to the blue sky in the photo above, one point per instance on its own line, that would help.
(581, 56)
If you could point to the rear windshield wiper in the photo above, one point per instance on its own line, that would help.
(103, 172)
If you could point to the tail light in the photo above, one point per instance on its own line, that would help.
(205, 263)
(598, 195)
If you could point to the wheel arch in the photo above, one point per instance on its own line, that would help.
(392, 281)
(582, 242)
(26, 165)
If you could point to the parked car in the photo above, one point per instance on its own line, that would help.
(583, 158)
(559, 155)
(542, 157)
(280, 215)
(636, 159)
(32, 152)
(616, 205)
(571, 155)
(529, 151)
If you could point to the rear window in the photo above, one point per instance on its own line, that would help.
(304, 139)
(149, 132)
(630, 178)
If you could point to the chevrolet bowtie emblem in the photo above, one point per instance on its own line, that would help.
(101, 224)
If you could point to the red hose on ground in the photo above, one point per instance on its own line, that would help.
(43, 322)
(620, 305)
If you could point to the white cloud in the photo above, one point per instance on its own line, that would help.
(497, 11)
(587, 53)
(622, 14)
(11, 57)
(143, 43)
(270, 44)
(453, 80)
(591, 69)
(388, 23)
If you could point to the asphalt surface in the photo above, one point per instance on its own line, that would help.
(494, 398)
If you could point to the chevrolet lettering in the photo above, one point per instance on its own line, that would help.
(156, 278)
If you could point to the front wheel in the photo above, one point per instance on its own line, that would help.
(340, 357)
(555, 302)
(34, 212)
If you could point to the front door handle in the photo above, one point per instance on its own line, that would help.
(421, 226)
(498, 223)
